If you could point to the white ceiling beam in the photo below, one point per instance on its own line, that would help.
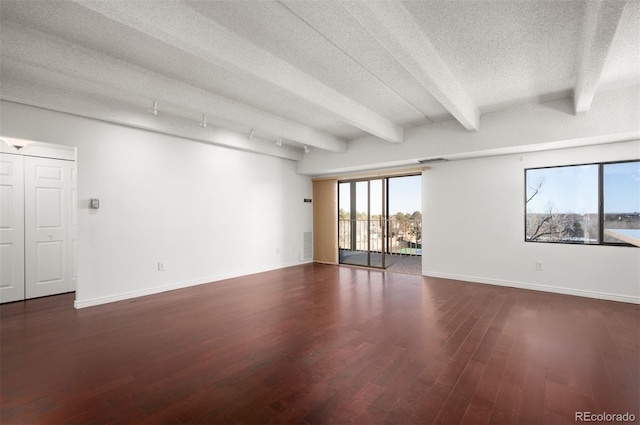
(178, 25)
(530, 127)
(342, 29)
(36, 49)
(61, 95)
(599, 27)
(395, 29)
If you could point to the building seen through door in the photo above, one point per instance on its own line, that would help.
(380, 223)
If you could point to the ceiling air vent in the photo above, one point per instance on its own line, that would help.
(430, 160)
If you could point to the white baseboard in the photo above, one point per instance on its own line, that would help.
(537, 287)
(178, 285)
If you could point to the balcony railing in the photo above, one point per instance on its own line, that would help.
(400, 236)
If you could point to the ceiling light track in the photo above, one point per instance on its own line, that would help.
(430, 160)
(154, 109)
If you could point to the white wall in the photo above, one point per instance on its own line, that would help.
(473, 228)
(206, 212)
(613, 117)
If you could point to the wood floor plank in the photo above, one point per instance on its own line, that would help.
(478, 412)
(318, 344)
(531, 408)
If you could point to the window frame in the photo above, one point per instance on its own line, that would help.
(601, 216)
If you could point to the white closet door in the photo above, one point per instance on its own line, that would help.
(47, 211)
(11, 228)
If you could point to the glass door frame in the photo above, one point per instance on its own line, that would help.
(385, 220)
(353, 221)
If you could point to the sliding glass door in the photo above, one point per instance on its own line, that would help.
(380, 222)
(362, 222)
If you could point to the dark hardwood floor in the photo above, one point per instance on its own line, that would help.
(321, 344)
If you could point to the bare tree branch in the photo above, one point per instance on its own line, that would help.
(536, 233)
(536, 189)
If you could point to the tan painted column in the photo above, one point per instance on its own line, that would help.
(325, 221)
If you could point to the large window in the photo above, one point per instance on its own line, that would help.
(586, 204)
(621, 202)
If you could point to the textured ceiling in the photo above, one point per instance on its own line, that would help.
(316, 73)
(508, 51)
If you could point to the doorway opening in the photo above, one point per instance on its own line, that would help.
(380, 223)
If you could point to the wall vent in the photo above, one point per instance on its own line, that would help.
(307, 245)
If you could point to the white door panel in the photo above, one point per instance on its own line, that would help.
(6, 205)
(48, 172)
(11, 228)
(49, 208)
(50, 262)
(48, 217)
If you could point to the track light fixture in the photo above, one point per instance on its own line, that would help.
(203, 123)
(306, 149)
(250, 135)
(279, 141)
(154, 110)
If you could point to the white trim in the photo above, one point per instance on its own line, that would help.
(537, 287)
(178, 285)
(330, 263)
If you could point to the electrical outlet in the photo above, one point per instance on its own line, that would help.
(539, 265)
(160, 267)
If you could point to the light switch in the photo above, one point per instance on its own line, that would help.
(94, 203)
